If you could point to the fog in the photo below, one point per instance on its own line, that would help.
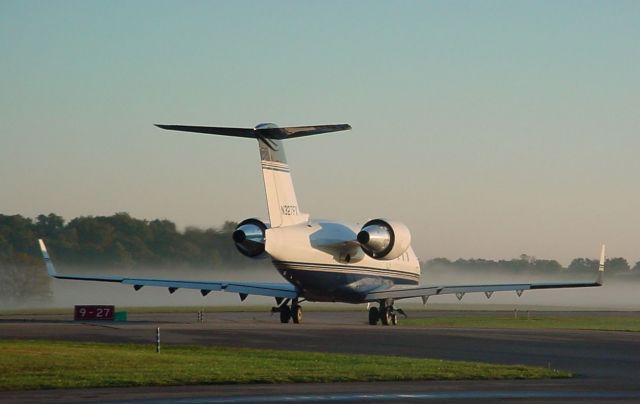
(66, 293)
(616, 294)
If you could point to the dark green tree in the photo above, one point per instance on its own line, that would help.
(583, 265)
(616, 266)
(48, 226)
(18, 233)
(546, 266)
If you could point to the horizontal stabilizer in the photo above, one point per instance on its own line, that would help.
(268, 131)
(299, 131)
(212, 130)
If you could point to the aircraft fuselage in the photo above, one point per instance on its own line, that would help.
(323, 261)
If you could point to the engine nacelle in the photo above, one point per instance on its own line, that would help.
(249, 237)
(383, 239)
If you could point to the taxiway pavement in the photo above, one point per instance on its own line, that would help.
(607, 364)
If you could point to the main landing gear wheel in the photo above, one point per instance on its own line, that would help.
(285, 314)
(386, 316)
(296, 314)
(386, 313)
(394, 319)
(374, 315)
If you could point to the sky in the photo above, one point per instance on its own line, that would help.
(491, 128)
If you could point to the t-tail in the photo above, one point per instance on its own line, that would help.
(281, 197)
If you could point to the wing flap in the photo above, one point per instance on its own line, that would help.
(285, 290)
(426, 291)
(169, 283)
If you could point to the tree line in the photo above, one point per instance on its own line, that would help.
(103, 242)
(121, 241)
(529, 265)
(125, 242)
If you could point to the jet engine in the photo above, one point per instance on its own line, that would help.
(383, 239)
(249, 237)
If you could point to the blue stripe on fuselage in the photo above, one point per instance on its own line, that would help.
(341, 283)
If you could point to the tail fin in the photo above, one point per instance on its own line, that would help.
(281, 197)
(278, 185)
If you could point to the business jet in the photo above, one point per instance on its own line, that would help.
(321, 261)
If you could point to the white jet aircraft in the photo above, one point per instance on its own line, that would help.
(322, 261)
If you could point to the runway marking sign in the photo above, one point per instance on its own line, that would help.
(94, 312)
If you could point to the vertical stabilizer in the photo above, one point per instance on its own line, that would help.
(281, 197)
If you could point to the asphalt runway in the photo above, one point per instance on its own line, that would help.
(607, 364)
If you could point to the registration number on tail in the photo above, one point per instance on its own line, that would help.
(289, 210)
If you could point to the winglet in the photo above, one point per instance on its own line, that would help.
(603, 258)
(51, 270)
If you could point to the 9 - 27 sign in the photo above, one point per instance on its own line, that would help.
(93, 313)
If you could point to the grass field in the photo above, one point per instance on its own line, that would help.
(602, 323)
(28, 365)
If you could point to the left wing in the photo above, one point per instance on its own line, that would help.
(459, 290)
(277, 290)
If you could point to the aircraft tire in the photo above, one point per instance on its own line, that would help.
(394, 319)
(385, 316)
(285, 314)
(296, 314)
(374, 315)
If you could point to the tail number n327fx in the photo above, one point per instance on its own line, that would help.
(319, 260)
(289, 210)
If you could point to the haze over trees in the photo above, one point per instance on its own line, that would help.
(120, 241)
(527, 265)
(103, 242)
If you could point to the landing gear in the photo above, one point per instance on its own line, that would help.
(296, 313)
(374, 315)
(287, 313)
(387, 314)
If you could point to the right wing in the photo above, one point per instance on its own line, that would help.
(459, 290)
(277, 290)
